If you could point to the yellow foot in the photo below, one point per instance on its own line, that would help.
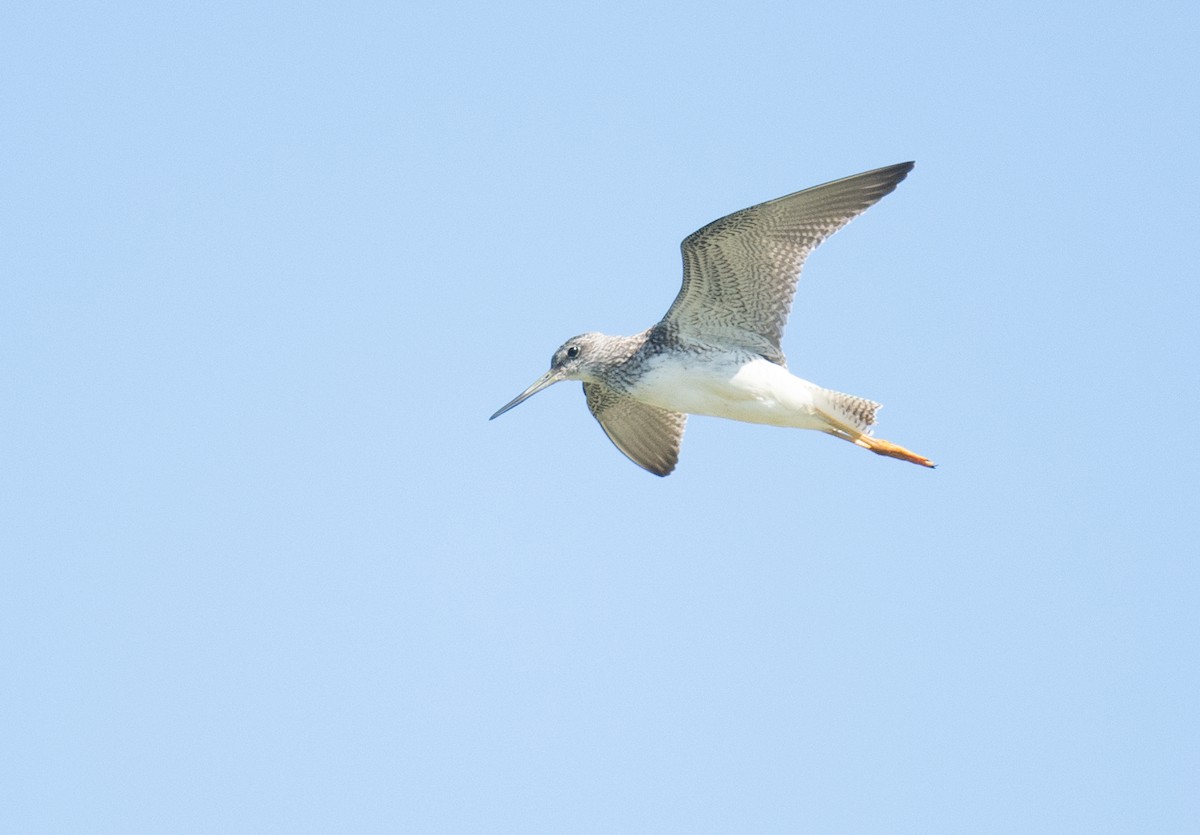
(876, 445)
(882, 447)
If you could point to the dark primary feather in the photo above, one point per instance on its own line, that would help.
(740, 272)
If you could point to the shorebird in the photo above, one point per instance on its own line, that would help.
(717, 350)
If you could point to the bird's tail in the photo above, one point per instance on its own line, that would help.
(858, 412)
(851, 418)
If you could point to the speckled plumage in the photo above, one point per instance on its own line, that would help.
(740, 271)
(717, 350)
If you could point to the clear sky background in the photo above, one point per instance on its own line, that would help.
(266, 270)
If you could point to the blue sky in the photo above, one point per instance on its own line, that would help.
(268, 567)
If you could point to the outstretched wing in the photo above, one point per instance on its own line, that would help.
(648, 436)
(740, 272)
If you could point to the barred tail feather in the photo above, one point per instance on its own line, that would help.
(850, 419)
(855, 411)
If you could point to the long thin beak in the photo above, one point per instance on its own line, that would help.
(548, 379)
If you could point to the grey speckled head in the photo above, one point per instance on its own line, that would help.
(589, 357)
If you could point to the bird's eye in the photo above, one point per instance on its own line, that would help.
(572, 352)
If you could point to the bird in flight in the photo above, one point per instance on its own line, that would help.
(717, 350)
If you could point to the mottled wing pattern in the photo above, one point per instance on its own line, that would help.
(648, 436)
(740, 272)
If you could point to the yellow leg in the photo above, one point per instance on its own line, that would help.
(882, 447)
(876, 445)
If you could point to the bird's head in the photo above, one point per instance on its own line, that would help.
(575, 359)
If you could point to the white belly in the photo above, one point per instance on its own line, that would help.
(750, 389)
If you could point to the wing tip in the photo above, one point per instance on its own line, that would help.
(891, 176)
